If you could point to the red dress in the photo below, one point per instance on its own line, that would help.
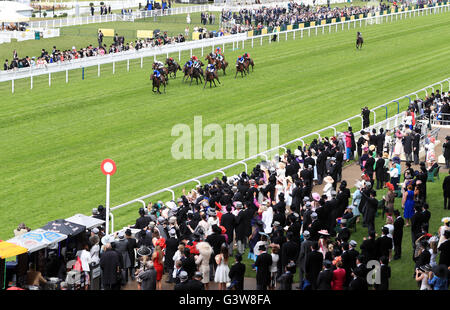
(158, 267)
(337, 284)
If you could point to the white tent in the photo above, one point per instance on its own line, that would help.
(10, 16)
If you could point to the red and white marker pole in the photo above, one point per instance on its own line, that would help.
(108, 168)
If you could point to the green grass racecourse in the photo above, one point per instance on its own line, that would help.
(82, 36)
(54, 138)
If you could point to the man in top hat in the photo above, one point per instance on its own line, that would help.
(171, 248)
(305, 249)
(183, 285)
(242, 220)
(142, 221)
(228, 220)
(131, 245)
(397, 236)
(358, 282)
(446, 191)
(195, 284)
(263, 264)
(384, 244)
(313, 265)
(325, 276)
(237, 273)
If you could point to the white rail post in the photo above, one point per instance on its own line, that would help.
(12, 85)
(179, 55)
(114, 67)
(67, 76)
(49, 79)
(142, 62)
(128, 65)
(98, 70)
(31, 82)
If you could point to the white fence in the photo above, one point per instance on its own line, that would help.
(6, 36)
(239, 40)
(388, 123)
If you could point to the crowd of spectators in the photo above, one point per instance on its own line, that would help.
(119, 45)
(296, 13)
(282, 222)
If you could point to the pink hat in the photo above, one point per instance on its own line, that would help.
(316, 196)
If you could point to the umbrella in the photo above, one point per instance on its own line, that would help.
(88, 221)
(30, 244)
(41, 235)
(8, 249)
(65, 227)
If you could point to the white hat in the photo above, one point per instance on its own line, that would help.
(95, 230)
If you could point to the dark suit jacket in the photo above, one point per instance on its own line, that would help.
(285, 281)
(384, 277)
(399, 223)
(263, 262)
(228, 220)
(444, 257)
(358, 284)
(324, 279)
(313, 266)
(383, 246)
(237, 272)
(368, 248)
(109, 263)
(289, 251)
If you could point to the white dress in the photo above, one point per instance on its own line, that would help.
(222, 271)
(267, 218)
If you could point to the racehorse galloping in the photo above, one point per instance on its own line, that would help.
(163, 70)
(196, 72)
(173, 67)
(359, 40)
(240, 67)
(248, 62)
(219, 64)
(211, 77)
(157, 82)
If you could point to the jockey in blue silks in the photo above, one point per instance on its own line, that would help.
(157, 74)
(240, 60)
(211, 68)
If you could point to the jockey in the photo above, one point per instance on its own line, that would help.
(194, 58)
(246, 55)
(211, 68)
(196, 65)
(189, 63)
(157, 74)
(240, 60)
(159, 65)
(219, 54)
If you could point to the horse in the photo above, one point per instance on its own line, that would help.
(196, 73)
(247, 63)
(211, 77)
(157, 83)
(359, 41)
(220, 65)
(164, 71)
(240, 68)
(173, 67)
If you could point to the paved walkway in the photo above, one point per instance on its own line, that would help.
(350, 173)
